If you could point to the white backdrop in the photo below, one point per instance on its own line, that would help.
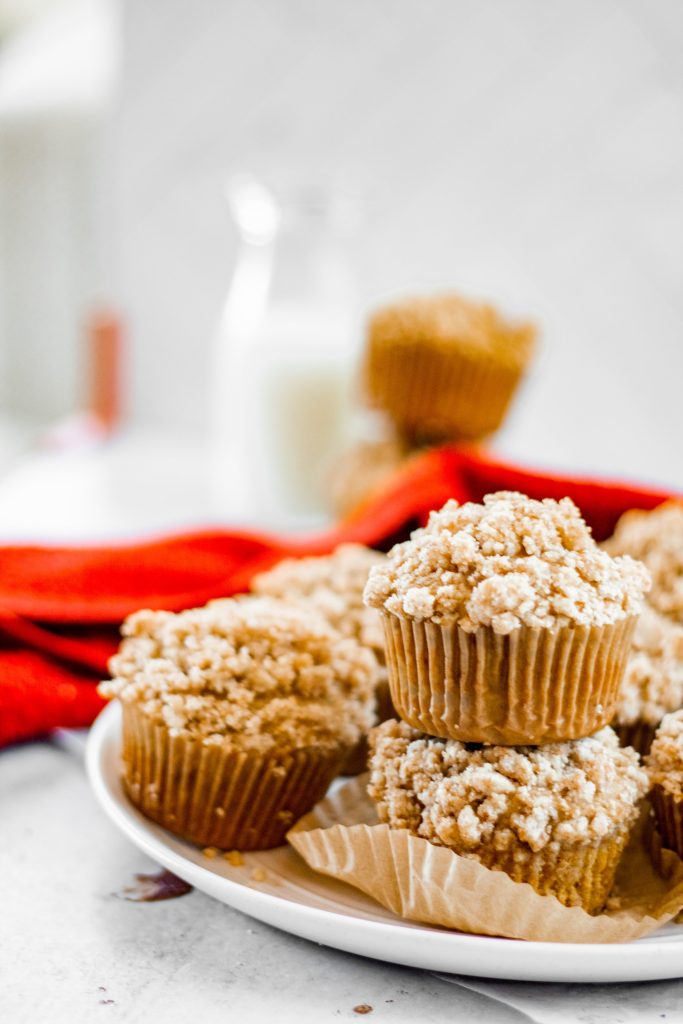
(526, 151)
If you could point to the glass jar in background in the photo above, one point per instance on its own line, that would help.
(285, 357)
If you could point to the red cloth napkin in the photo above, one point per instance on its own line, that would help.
(60, 608)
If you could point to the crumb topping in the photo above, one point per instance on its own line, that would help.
(254, 673)
(665, 760)
(510, 562)
(653, 681)
(465, 795)
(656, 538)
(448, 320)
(333, 584)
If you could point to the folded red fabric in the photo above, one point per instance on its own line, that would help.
(60, 608)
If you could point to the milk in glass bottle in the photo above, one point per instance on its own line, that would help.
(285, 355)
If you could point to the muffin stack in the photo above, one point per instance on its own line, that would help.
(438, 369)
(507, 632)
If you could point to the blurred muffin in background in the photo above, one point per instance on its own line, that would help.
(362, 470)
(445, 367)
(655, 538)
(653, 680)
(332, 585)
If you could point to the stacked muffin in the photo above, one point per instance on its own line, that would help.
(507, 632)
(653, 682)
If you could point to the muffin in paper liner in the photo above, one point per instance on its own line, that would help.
(218, 796)
(668, 812)
(433, 885)
(433, 394)
(530, 686)
(436, 392)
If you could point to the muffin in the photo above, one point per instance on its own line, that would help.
(505, 623)
(237, 716)
(653, 681)
(665, 766)
(557, 817)
(656, 539)
(333, 585)
(445, 367)
(363, 470)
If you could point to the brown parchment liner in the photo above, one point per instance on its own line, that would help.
(439, 392)
(668, 808)
(530, 686)
(423, 882)
(215, 796)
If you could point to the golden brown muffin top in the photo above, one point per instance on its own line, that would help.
(253, 673)
(509, 562)
(653, 681)
(449, 320)
(665, 760)
(333, 585)
(656, 538)
(467, 795)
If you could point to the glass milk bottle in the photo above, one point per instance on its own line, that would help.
(285, 356)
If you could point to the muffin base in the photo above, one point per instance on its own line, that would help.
(578, 876)
(530, 686)
(668, 811)
(220, 797)
(437, 392)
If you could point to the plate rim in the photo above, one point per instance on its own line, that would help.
(504, 958)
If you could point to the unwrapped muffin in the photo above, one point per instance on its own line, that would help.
(445, 367)
(557, 817)
(333, 585)
(656, 539)
(505, 623)
(665, 766)
(653, 681)
(237, 716)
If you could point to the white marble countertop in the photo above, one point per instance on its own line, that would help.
(72, 951)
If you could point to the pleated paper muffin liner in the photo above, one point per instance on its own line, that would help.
(638, 735)
(440, 392)
(217, 796)
(357, 761)
(530, 686)
(668, 809)
(433, 885)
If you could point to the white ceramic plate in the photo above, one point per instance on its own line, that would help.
(277, 887)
